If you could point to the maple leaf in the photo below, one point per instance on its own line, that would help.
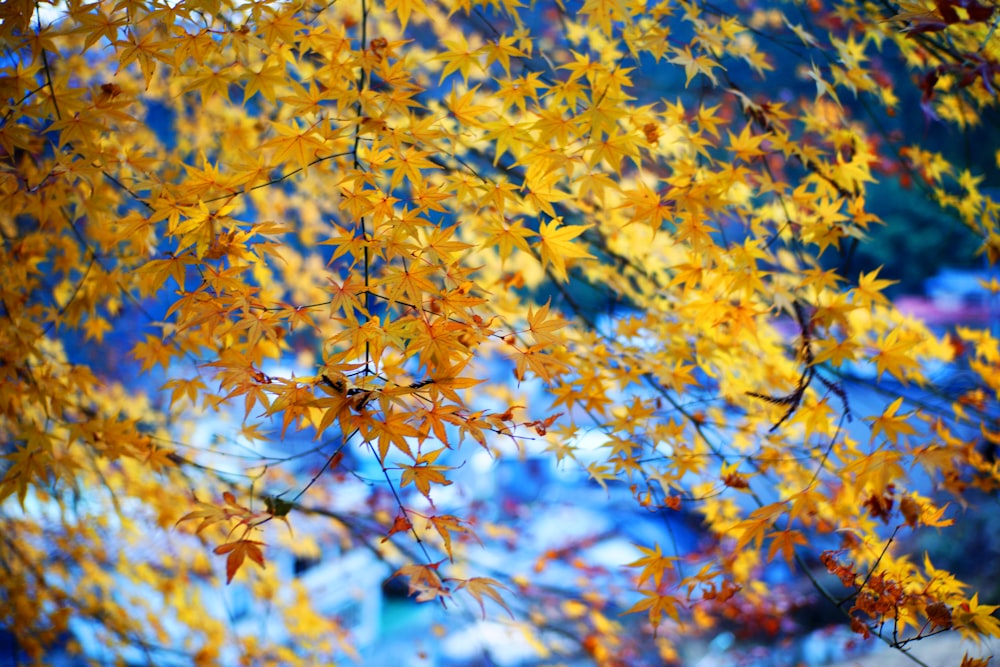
(29, 464)
(153, 351)
(391, 430)
(541, 426)
(300, 146)
(601, 473)
(460, 57)
(648, 206)
(263, 80)
(612, 149)
(891, 424)
(445, 525)
(405, 8)
(869, 289)
(556, 245)
(836, 351)
(516, 92)
(542, 326)
(785, 541)
(746, 146)
(96, 25)
(185, 388)
(807, 38)
(822, 87)
(507, 235)
(238, 551)
(142, 48)
(893, 355)
(477, 587)
(653, 564)
(435, 421)
(656, 604)
(424, 581)
(974, 620)
(695, 65)
(399, 525)
(209, 515)
(95, 327)
(448, 384)
(424, 473)
(501, 50)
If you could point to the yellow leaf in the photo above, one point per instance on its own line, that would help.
(695, 65)
(543, 326)
(656, 604)
(653, 564)
(890, 424)
(556, 245)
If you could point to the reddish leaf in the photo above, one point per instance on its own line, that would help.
(238, 551)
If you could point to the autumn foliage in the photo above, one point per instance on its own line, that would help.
(332, 223)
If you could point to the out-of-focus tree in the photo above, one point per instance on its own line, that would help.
(200, 195)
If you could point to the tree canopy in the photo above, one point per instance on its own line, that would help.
(394, 234)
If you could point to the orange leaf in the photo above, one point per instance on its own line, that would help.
(424, 473)
(399, 525)
(238, 551)
(445, 525)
